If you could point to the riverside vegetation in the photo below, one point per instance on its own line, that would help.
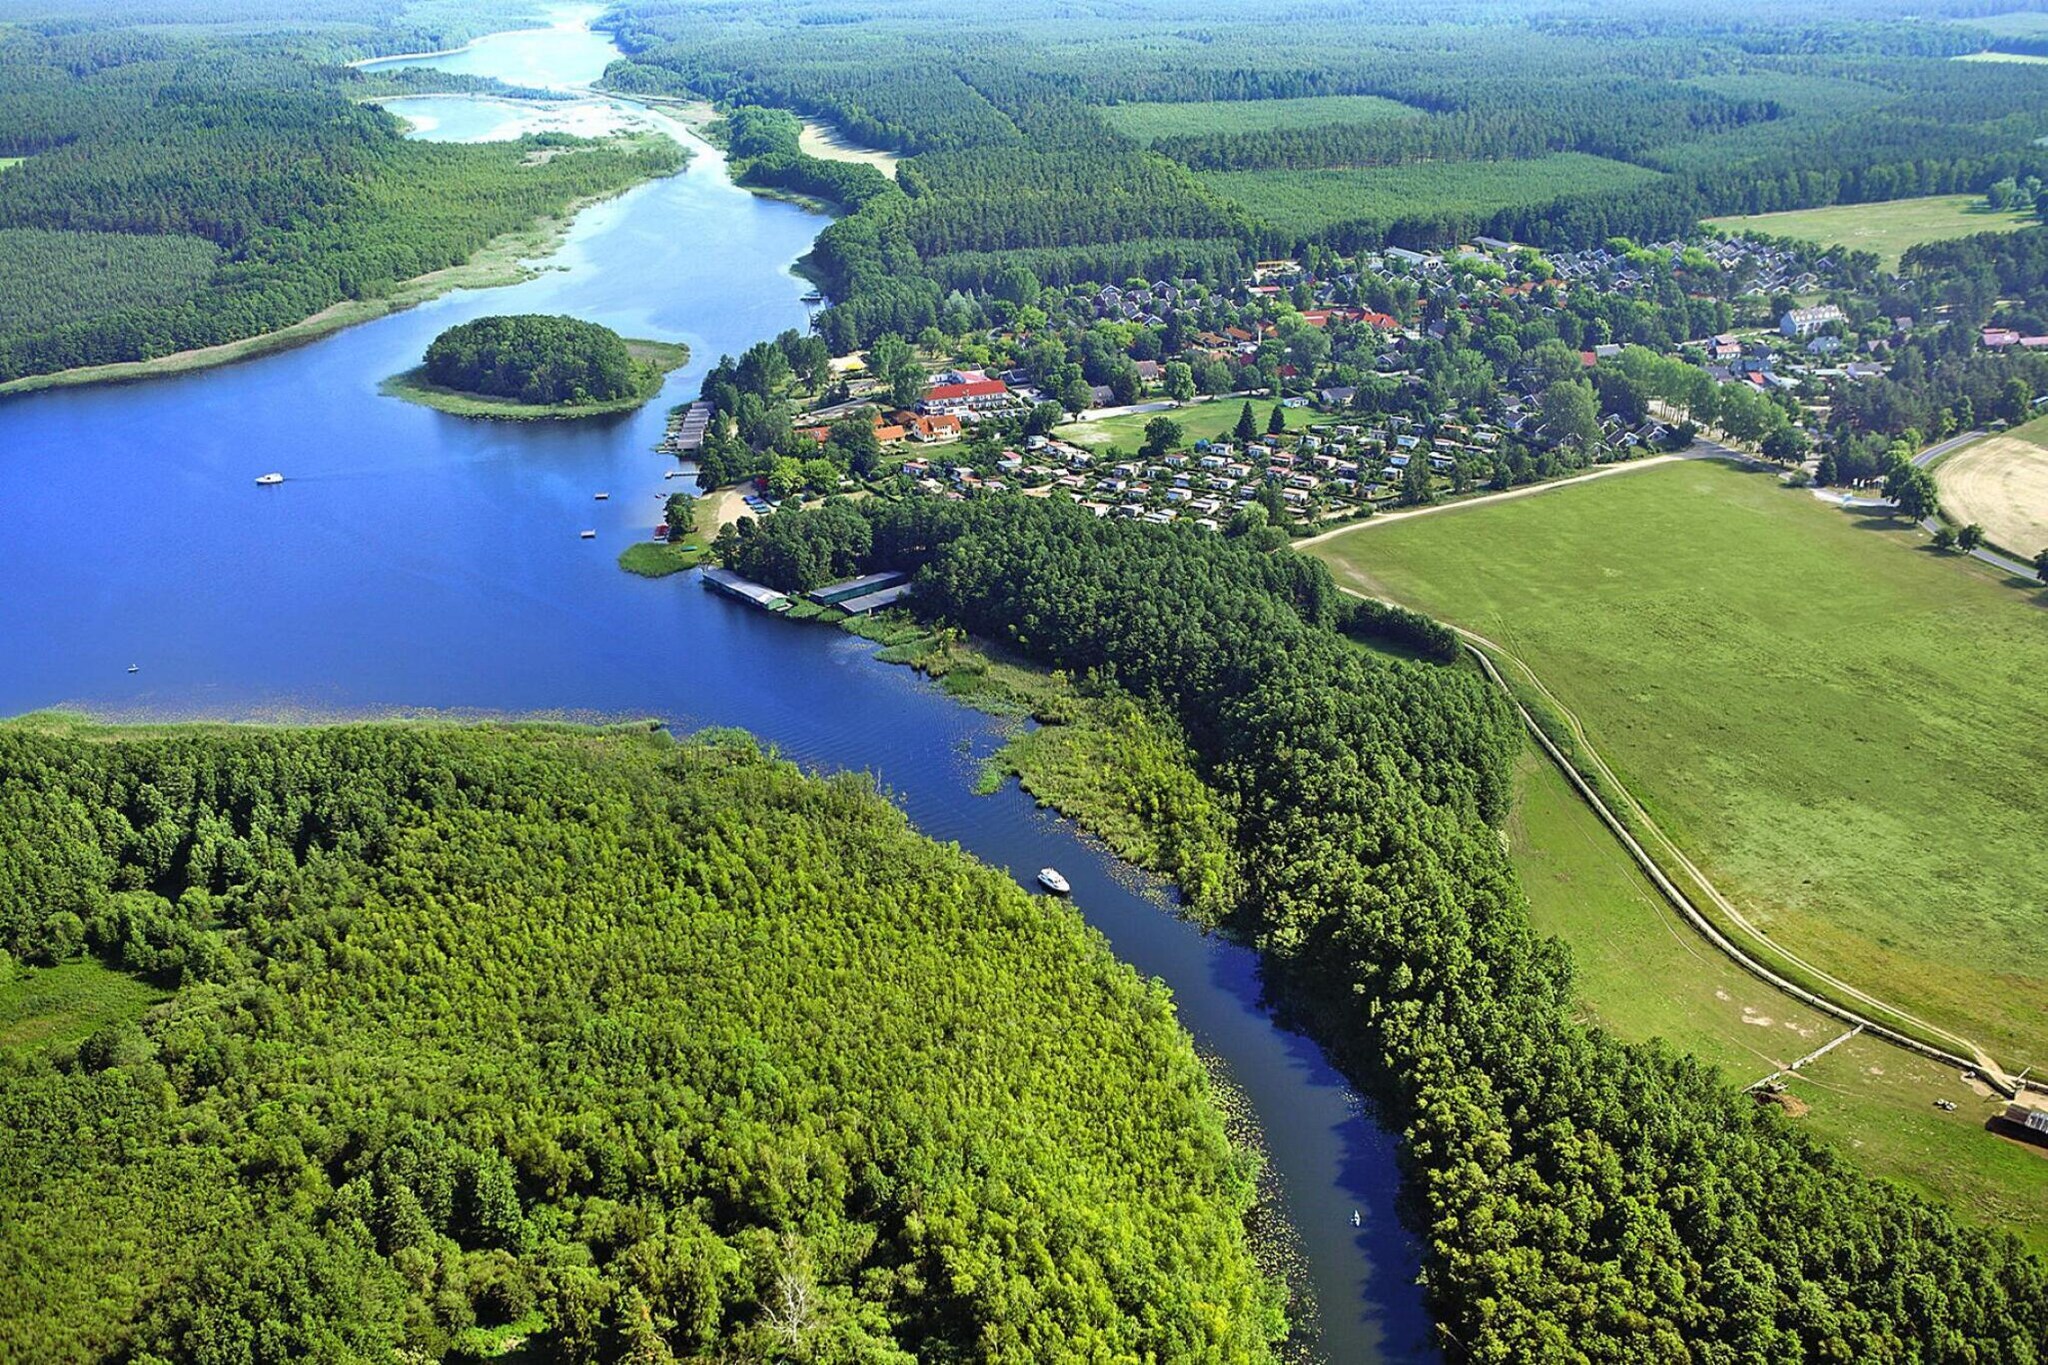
(635, 1049)
(1578, 1197)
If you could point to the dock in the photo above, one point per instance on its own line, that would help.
(686, 429)
(745, 590)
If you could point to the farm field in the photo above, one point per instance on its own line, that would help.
(1834, 724)
(2001, 483)
(1643, 973)
(1198, 422)
(1886, 228)
(1309, 201)
(1150, 122)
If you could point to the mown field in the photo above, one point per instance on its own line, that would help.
(2001, 483)
(1838, 725)
(1198, 422)
(1150, 122)
(1886, 228)
(1643, 973)
(1309, 201)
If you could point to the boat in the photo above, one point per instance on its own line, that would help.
(590, 535)
(135, 668)
(1051, 880)
(271, 480)
(603, 497)
(1354, 1218)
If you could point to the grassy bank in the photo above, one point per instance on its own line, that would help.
(660, 558)
(1642, 973)
(1829, 720)
(508, 259)
(654, 358)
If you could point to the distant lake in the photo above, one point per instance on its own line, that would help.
(417, 561)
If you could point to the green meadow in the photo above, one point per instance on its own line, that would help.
(1886, 228)
(1839, 725)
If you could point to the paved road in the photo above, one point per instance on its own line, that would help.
(1992, 557)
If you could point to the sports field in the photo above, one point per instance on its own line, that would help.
(1198, 422)
(2001, 483)
(1886, 228)
(1836, 724)
(1642, 973)
(1150, 122)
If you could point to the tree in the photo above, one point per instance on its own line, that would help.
(2016, 401)
(785, 478)
(1162, 434)
(2041, 566)
(1912, 492)
(680, 513)
(1276, 423)
(1247, 425)
(1571, 413)
(1944, 537)
(1180, 380)
(1786, 445)
(1415, 484)
(1970, 537)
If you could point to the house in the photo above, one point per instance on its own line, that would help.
(1998, 338)
(1339, 397)
(1802, 322)
(966, 395)
(1723, 347)
(944, 427)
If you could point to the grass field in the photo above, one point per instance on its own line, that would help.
(2018, 24)
(7, 161)
(1309, 201)
(1838, 725)
(62, 1006)
(1198, 422)
(2001, 483)
(2022, 58)
(1643, 973)
(1886, 228)
(1150, 122)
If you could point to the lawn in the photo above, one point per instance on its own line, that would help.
(1306, 202)
(1886, 228)
(1151, 122)
(64, 1005)
(1641, 972)
(1837, 724)
(1198, 422)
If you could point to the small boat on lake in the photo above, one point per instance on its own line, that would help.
(1051, 880)
(271, 480)
(589, 535)
(135, 668)
(1354, 1218)
(603, 497)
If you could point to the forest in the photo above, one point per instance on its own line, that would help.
(634, 1049)
(1578, 1198)
(187, 189)
(538, 360)
(1406, 125)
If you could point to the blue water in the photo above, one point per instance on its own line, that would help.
(416, 561)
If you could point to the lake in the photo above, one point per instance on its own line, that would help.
(420, 562)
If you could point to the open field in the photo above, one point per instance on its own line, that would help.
(1309, 201)
(2018, 24)
(1643, 973)
(2023, 58)
(1886, 228)
(1150, 122)
(7, 161)
(827, 143)
(1198, 422)
(1831, 723)
(64, 1005)
(2001, 483)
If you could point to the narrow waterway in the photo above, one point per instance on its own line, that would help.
(420, 562)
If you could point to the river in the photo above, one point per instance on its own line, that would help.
(420, 562)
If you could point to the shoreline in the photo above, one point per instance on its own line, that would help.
(510, 258)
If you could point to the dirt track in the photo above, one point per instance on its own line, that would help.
(2001, 484)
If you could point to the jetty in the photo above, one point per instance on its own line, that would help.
(745, 590)
(686, 428)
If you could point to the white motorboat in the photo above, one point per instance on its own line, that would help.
(1051, 880)
(271, 480)
(590, 535)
